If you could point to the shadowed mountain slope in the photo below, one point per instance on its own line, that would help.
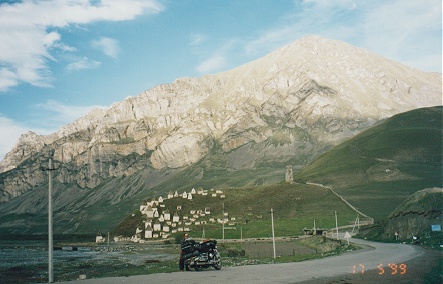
(379, 168)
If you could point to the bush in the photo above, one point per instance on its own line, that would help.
(236, 252)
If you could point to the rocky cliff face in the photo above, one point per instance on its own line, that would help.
(296, 101)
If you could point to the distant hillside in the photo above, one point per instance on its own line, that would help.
(414, 217)
(379, 168)
(248, 209)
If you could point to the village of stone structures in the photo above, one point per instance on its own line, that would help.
(239, 214)
(160, 222)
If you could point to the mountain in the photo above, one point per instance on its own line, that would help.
(239, 127)
(379, 168)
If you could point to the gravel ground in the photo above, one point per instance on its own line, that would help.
(335, 269)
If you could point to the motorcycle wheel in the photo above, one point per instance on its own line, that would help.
(218, 265)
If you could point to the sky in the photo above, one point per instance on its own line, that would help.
(61, 58)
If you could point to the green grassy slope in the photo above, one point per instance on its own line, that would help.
(414, 217)
(295, 207)
(382, 166)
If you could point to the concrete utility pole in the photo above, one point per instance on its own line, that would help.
(223, 222)
(241, 234)
(336, 223)
(50, 240)
(273, 235)
(314, 232)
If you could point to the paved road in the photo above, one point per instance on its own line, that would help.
(370, 257)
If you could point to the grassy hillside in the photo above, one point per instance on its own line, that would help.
(295, 207)
(414, 217)
(381, 167)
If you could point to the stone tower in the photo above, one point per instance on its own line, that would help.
(288, 176)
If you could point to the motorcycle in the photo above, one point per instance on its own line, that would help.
(204, 255)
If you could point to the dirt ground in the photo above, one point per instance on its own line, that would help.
(425, 269)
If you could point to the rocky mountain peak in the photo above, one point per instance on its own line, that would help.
(29, 144)
(298, 100)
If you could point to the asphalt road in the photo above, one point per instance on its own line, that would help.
(362, 262)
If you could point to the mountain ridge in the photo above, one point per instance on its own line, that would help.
(302, 98)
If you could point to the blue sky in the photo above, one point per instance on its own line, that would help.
(60, 58)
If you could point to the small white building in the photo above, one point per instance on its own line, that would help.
(99, 239)
(189, 196)
(148, 232)
(160, 199)
(143, 207)
(148, 222)
(176, 194)
(150, 212)
(193, 191)
(166, 228)
(175, 218)
(154, 202)
(167, 215)
(157, 227)
(170, 195)
(184, 195)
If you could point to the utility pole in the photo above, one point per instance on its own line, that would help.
(336, 223)
(241, 234)
(50, 239)
(223, 222)
(357, 222)
(50, 233)
(315, 230)
(273, 235)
